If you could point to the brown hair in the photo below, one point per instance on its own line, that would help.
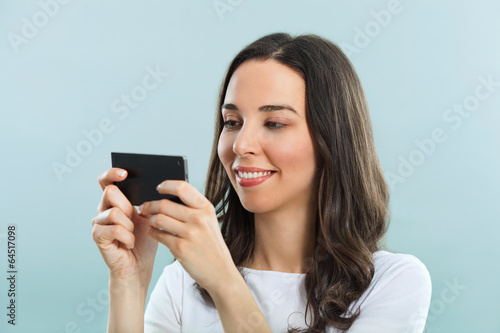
(352, 203)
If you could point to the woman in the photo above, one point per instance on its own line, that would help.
(303, 204)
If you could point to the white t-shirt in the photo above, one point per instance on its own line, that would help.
(397, 300)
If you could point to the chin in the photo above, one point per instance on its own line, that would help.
(257, 205)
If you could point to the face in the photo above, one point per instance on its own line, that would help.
(265, 146)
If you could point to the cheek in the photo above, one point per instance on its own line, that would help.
(296, 156)
(225, 149)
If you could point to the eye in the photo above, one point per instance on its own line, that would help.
(230, 124)
(274, 125)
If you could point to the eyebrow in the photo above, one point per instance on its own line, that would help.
(263, 108)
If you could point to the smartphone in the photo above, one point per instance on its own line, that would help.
(145, 172)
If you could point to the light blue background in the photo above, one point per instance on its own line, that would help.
(64, 80)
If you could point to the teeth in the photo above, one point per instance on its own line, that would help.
(251, 175)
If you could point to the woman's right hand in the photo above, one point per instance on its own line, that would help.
(121, 234)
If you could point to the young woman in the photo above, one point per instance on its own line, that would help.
(295, 180)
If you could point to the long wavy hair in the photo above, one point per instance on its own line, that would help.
(352, 202)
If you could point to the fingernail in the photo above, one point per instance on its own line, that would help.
(141, 207)
(121, 173)
(132, 246)
(159, 186)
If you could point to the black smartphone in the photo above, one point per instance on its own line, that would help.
(145, 172)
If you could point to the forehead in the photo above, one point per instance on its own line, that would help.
(255, 83)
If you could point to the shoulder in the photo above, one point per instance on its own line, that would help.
(400, 273)
(173, 271)
(398, 297)
(173, 280)
(172, 275)
(164, 310)
(390, 266)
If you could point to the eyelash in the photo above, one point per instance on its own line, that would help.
(229, 124)
(275, 125)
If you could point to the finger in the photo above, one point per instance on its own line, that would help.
(104, 235)
(111, 175)
(168, 224)
(113, 197)
(165, 238)
(114, 215)
(189, 195)
(166, 207)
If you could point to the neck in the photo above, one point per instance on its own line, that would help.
(283, 240)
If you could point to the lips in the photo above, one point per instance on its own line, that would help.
(249, 176)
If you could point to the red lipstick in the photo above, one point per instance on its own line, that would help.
(249, 176)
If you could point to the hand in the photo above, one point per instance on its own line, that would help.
(192, 234)
(121, 234)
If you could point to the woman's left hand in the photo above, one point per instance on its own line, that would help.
(192, 234)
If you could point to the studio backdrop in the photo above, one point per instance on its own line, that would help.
(82, 79)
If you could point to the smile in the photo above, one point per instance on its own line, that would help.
(247, 177)
(252, 175)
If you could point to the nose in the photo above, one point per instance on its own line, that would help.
(246, 142)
